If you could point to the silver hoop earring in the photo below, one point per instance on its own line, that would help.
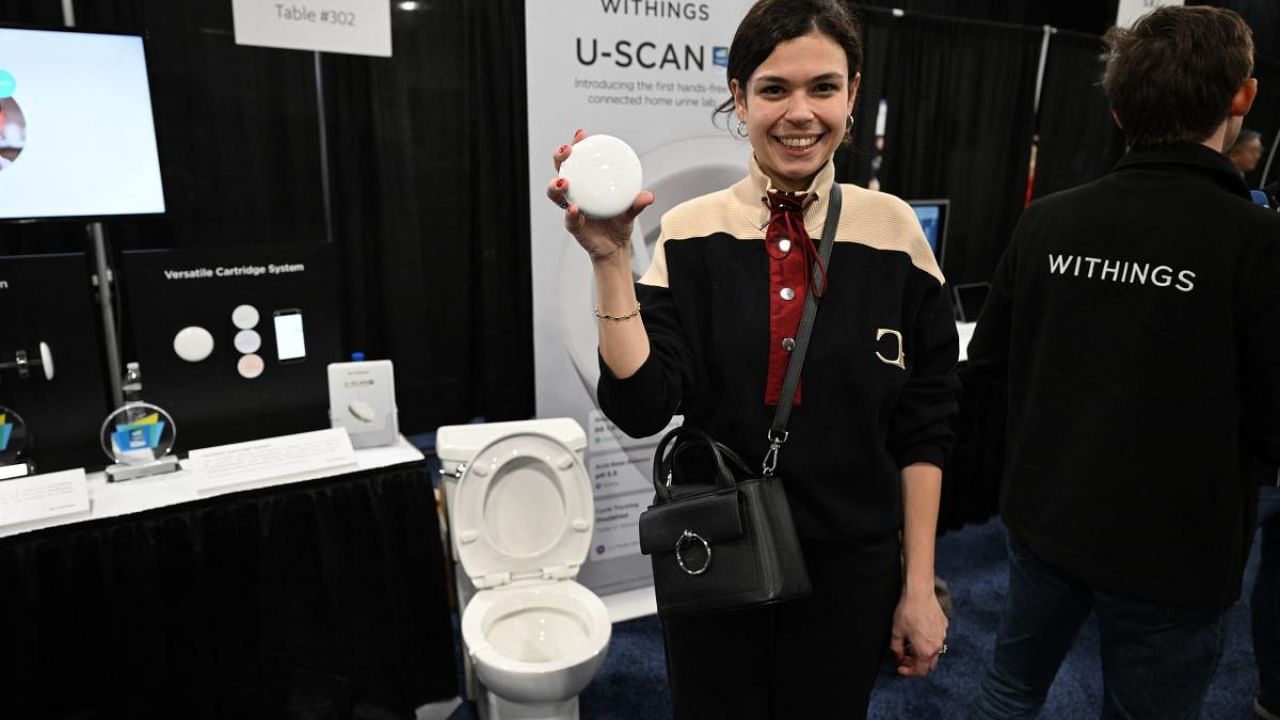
(848, 125)
(741, 129)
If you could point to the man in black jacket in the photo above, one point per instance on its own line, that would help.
(1136, 321)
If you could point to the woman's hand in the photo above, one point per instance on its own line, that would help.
(919, 633)
(602, 239)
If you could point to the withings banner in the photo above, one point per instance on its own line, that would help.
(650, 72)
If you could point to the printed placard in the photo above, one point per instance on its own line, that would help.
(604, 436)
(43, 496)
(620, 473)
(355, 27)
(271, 458)
(617, 526)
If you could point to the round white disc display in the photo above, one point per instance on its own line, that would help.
(250, 366)
(46, 360)
(361, 410)
(248, 341)
(604, 176)
(245, 317)
(193, 343)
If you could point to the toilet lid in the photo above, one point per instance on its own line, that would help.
(523, 509)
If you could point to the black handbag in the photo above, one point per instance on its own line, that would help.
(728, 541)
(721, 545)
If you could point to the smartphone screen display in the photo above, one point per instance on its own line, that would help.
(290, 344)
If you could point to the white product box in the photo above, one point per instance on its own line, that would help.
(362, 399)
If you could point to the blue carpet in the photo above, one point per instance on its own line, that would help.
(632, 683)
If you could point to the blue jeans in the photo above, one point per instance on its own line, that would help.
(1157, 661)
(1264, 603)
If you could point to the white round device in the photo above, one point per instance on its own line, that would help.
(248, 341)
(193, 343)
(361, 410)
(46, 360)
(604, 176)
(245, 317)
(250, 366)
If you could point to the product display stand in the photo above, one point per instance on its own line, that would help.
(121, 471)
(138, 437)
(18, 469)
(13, 445)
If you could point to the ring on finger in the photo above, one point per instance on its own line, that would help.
(943, 651)
(564, 204)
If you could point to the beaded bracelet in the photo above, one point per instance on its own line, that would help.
(628, 316)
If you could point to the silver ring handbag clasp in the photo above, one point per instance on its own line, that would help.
(690, 536)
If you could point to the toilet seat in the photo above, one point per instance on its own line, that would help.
(523, 511)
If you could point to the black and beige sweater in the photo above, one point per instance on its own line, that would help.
(877, 388)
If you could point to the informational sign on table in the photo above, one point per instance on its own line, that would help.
(355, 27)
(43, 496)
(277, 457)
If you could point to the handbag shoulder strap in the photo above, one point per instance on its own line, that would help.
(782, 414)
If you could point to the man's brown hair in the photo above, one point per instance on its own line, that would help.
(1171, 77)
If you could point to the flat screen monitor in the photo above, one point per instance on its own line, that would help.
(969, 299)
(77, 137)
(933, 220)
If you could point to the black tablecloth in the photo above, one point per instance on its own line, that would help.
(324, 599)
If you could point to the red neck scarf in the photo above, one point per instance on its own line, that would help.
(786, 221)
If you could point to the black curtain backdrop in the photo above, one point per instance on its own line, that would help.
(854, 162)
(1093, 17)
(1078, 139)
(1263, 16)
(405, 133)
(503, 294)
(29, 12)
(435, 221)
(959, 124)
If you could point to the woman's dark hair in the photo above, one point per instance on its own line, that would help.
(1171, 77)
(770, 22)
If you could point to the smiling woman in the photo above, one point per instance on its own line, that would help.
(793, 94)
(795, 107)
(709, 330)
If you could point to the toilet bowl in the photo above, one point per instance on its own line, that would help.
(521, 514)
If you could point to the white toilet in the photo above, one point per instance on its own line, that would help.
(521, 514)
